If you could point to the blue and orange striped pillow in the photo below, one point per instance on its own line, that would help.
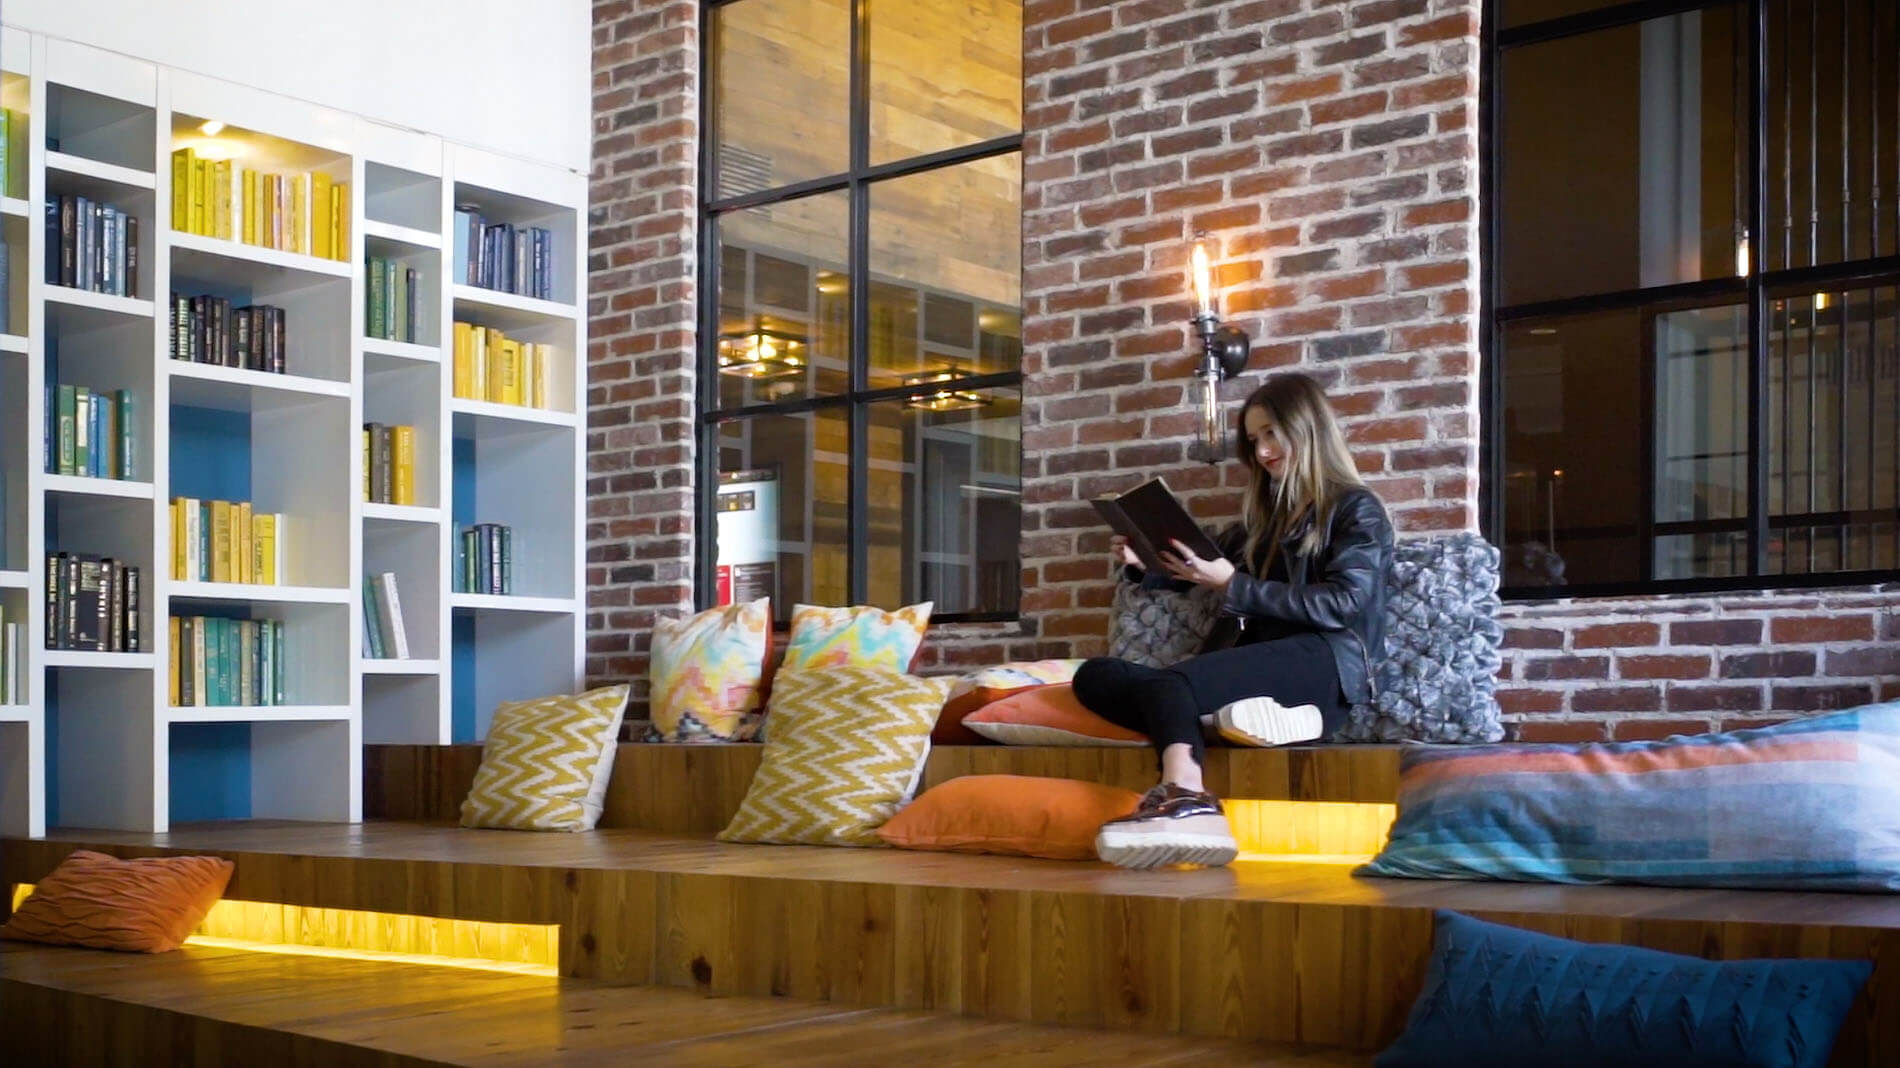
(1812, 804)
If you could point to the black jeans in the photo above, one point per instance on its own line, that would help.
(1167, 703)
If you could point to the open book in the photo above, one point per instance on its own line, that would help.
(1149, 516)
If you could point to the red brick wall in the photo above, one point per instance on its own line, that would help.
(641, 310)
(1329, 150)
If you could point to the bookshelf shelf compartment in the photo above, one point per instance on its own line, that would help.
(483, 419)
(406, 514)
(401, 235)
(508, 311)
(99, 302)
(16, 713)
(233, 263)
(399, 353)
(83, 486)
(389, 666)
(257, 713)
(491, 602)
(252, 593)
(235, 389)
(86, 658)
(96, 172)
(13, 206)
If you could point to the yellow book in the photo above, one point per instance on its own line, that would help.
(320, 216)
(403, 440)
(491, 352)
(264, 526)
(462, 372)
(178, 539)
(367, 453)
(511, 373)
(181, 189)
(543, 354)
(530, 363)
(172, 627)
(221, 199)
(196, 220)
(221, 570)
(241, 543)
(250, 207)
(299, 212)
(340, 215)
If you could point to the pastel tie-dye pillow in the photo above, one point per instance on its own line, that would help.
(706, 673)
(855, 637)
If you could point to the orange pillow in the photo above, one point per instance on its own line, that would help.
(950, 729)
(1015, 814)
(1047, 715)
(149, 905)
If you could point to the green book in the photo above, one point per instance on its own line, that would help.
(6, 168)
(128, 434)
(82, 430)
(68, 419)
(378, 307)
(373, 634)
(277, 669)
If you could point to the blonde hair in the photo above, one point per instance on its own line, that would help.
(1319, 468)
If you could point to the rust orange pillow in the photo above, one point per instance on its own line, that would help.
(1018, 815)
(148, 905)
(950, 729)
(1047, 715)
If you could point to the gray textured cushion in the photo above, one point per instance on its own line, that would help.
(1438, 681)
(1160, 627)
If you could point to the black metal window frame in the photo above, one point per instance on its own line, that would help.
(856, 181)
(1756, 291)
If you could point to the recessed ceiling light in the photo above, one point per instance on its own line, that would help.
(211, 128)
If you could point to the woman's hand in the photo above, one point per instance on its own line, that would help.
(1187, 567)
(1124, 556)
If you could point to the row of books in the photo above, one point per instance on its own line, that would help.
(226, 662)
(207, 329)
(225, 541)
(92, 603)
(12, 152)
(92, 246)
(394, 300)
(6, 288)
(485, 559)
(389, 471)
(491, 366)
(383, 635)
(308, 213)
(13, 673)
(91, 433)
(501, 256)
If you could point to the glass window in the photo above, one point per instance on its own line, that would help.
(908, 425)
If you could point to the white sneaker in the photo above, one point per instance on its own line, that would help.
(1262, 721)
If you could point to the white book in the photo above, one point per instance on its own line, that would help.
(389, 609)
(193, 534)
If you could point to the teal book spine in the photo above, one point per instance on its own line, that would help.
(214, 653)
(128, 435)
(277, 672)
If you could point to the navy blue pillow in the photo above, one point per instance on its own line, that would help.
(1497, 995)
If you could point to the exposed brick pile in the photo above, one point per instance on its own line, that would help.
(1330, 152)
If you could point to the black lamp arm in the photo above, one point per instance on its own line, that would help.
(1223, 345)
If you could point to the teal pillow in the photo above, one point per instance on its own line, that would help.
(1505, 997)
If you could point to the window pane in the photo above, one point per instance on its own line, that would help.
(1572, 470)
(1832, 407)
(946, 501)
(1619, 156)
(781, 531)
(784, 302)
(782, 76)
(1525, 12)
(946, 273)
(1701, 443)
(943, 75)
(1833, 121)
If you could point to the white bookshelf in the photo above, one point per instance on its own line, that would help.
(100, 742)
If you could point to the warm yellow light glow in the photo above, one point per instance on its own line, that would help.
(1741, 254)
(267, 927)
(1312, 832)
(1820, 301)
(1203, 280)
(211, 128)
(215, 148)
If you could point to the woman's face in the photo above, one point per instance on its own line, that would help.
(1269, 451)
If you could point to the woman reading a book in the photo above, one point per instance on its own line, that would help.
(1301, 581)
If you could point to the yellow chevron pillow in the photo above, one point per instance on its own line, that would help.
(546, 762)
(846, 746)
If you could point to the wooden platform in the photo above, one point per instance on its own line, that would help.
(686, 789)
(211, 1006)
(1282, 953)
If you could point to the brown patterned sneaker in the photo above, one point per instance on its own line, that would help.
(1172, 825)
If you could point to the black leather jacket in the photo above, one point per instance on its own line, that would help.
(1338, 592)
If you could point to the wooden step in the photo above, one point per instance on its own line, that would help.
(1288, 953)
(80, 1006)
(684, 789)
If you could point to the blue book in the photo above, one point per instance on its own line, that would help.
(464, 218)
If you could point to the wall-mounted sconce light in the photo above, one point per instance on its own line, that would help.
(1224, 351)
(943, 400)
(761, 352)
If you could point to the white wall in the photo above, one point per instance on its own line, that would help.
(512, 76)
